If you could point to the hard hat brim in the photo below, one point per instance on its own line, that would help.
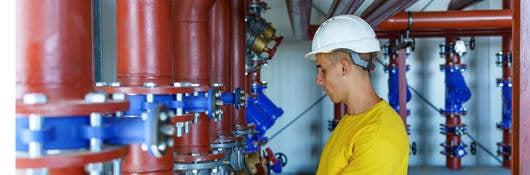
(366, 45)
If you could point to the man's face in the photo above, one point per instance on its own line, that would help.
(328, 77)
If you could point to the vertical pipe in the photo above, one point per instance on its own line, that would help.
(220, 71)
(54, 52)
(339, 110)
(192, 48)
(143, 45)
(452, 119)
(521, 84)
(402, 84)
(192, 64)
(237, 53)
(54, 48)
(506, 75)
(144, 55)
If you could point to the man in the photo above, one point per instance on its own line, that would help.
(371, 137)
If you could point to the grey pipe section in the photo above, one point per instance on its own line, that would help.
(300, 17)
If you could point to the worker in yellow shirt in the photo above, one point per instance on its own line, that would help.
(371, 137)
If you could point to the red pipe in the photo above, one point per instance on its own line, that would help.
(238, 56)
(339, 111)
(144, 55)
(380, 10)
(54, 49)
(141, 162)
(197, 140)
(192, 64)
(507, 75)
(402, 84)
(452, 120)
(143, 42)
(220, 71)
(521, 82)
(454, 20)
(54, 58)
(447, 32)
(192, 51)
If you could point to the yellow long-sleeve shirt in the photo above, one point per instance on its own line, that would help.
(373, 142)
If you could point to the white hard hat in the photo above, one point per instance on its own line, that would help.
(344, 32)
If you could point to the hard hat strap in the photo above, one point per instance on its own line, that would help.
(368, 65)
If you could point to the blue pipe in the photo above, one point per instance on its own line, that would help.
(265, 103)
(233, 98)
(393, 88)
(456, 90)
(256, 115)
(199, 102)
(506, 122)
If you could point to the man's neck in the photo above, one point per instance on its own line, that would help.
(361, 100)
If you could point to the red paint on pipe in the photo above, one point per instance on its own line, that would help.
(138, 161)
(452, 120)
(476, 19)
(237, 53)
(144, 55)
(143, 42)
(54, 49)
(402, 84)
(220, 71)
(507, 75)
(521, 87)
(339, 111)
(192, 47)
(197, 140)
(447, 32)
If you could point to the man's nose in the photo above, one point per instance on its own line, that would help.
(318, 81)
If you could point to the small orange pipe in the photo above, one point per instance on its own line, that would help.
(477, 19)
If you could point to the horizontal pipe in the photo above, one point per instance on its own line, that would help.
(455, 20)
(446, 32)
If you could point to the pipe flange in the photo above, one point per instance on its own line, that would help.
(198, 168)
(160, 131)
(213, 156)
(71, 159)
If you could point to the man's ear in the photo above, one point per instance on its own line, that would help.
(346, 67)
